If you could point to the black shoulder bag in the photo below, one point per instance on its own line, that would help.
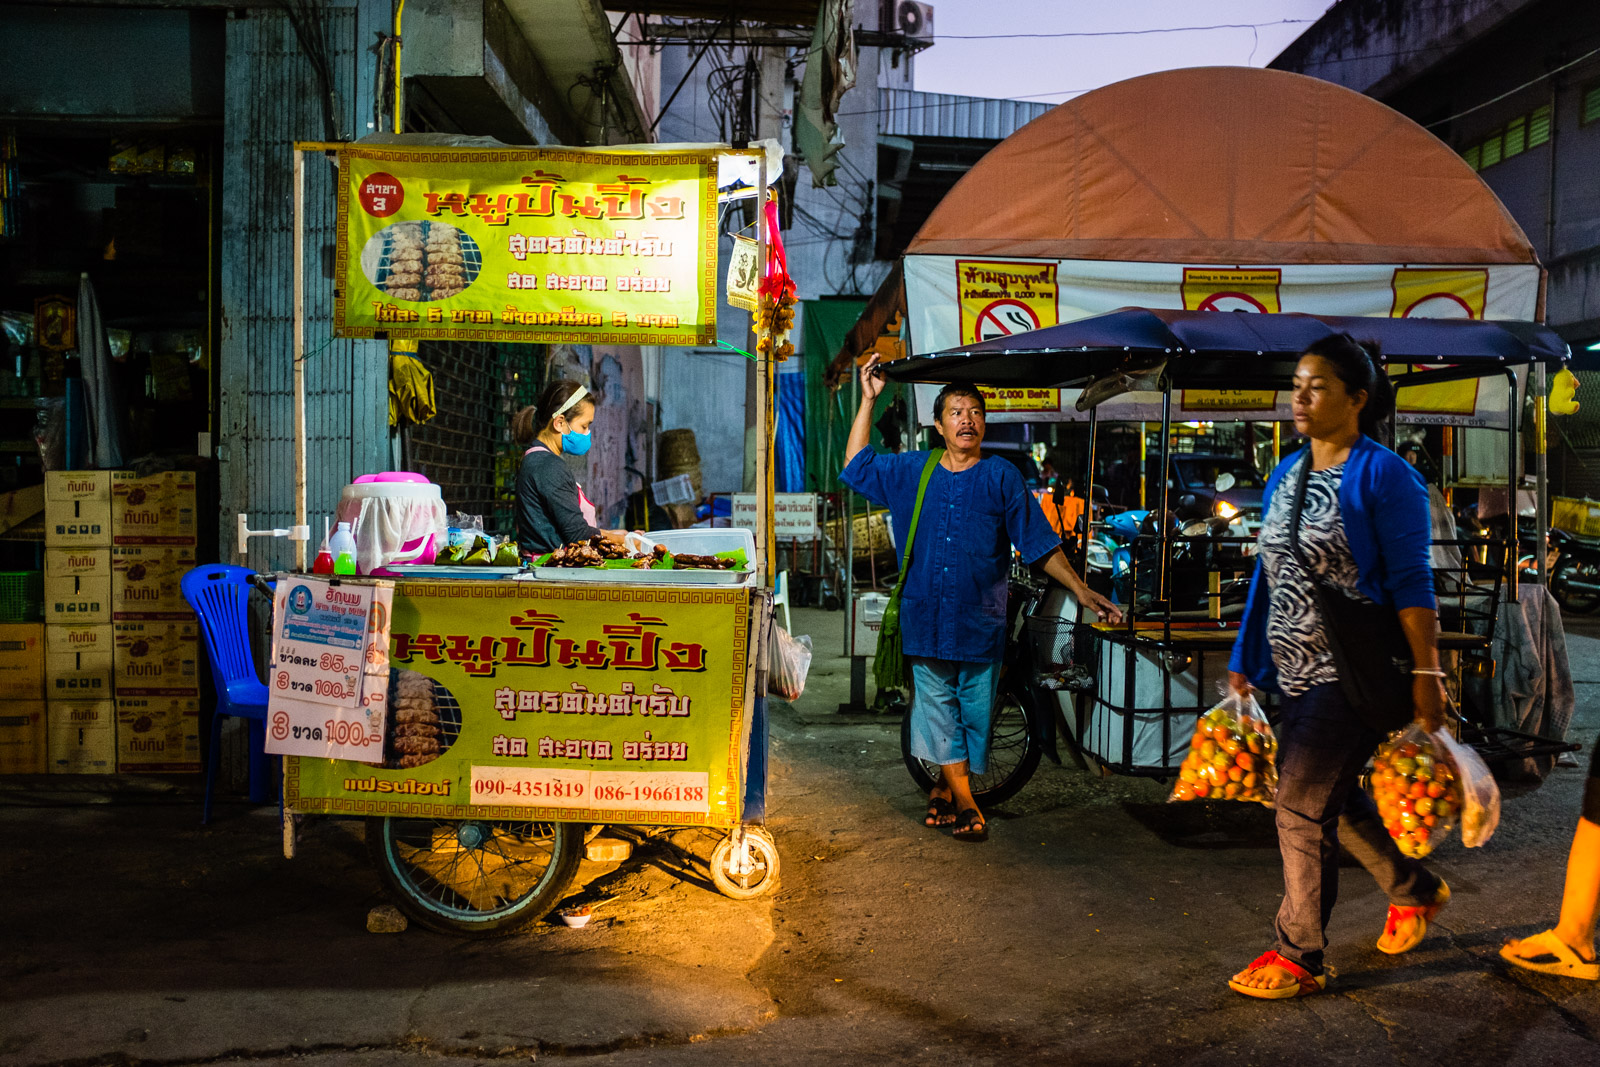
(1363, 638)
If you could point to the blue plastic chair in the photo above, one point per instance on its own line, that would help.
(220, 596)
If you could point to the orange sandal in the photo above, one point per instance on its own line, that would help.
(1306, 983)
(1399, 913)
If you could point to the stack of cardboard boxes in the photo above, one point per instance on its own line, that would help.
(22, 698)
(122, 649)
(81, 713)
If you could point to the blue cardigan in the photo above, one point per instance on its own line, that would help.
(1383, 504)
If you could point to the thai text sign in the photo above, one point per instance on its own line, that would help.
(794, 515)
(999, 298)
(327, 686)
(521, 244)
(581, 703)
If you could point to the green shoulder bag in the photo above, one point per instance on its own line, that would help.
(889, 665)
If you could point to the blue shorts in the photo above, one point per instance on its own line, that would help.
(952, 709)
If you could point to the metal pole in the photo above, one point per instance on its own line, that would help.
(1144, 459)
(847, 525)
(299, 353)
(1088, 526)
(1513, 480)
(763, 382)
(1541, 499)
(1447, 461)
(1166, 482)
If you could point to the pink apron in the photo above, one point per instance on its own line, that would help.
(585, 505)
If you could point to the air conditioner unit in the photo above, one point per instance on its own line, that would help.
(914, 19)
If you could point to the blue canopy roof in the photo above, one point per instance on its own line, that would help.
(1225, 350)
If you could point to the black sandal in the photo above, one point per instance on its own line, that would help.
(939, 808)
(970, 826)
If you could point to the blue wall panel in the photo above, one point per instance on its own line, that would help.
(273, 99)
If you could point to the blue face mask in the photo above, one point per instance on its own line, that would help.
(574, 444)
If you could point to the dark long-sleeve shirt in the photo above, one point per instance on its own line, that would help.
(548, 515)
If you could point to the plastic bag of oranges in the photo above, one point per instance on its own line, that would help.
(1232, 756)
(1424, 784)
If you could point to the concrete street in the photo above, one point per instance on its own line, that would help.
(1097, 926)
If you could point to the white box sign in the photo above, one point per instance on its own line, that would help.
(794, 515)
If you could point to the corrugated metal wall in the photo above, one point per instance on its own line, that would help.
(272, 100)
(908, 113)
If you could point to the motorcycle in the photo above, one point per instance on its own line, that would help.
(1575, 574)
(1572, 562)
(1203, 534)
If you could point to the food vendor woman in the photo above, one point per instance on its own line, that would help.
(552, 509)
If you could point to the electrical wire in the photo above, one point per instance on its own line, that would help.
(1511, 92)
(1117, 33)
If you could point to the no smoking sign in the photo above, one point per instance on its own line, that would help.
(1002, 318)
(1232, 302)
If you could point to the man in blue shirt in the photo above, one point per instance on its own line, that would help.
(953, 606)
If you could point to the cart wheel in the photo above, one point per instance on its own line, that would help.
(762, 873)
(474, 877)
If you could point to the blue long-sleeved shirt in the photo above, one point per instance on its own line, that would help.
(1384, 506)
(953, 606)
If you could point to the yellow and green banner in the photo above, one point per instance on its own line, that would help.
(520, 244)
(581, 703)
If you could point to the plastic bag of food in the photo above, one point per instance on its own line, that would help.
(1232, 756)
(1480, 794)
(1416, 782)
(788, 662)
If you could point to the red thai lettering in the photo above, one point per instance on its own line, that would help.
(590, 654)
(428, 646)
(684, 656)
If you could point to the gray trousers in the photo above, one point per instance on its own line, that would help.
(1322, 748)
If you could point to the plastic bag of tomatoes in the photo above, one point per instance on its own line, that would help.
(1232, 756)
(1425, 784)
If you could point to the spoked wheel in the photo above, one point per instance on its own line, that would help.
(1013, 755)
(474, 877)
(745, 876)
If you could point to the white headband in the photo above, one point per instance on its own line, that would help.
(571, 400)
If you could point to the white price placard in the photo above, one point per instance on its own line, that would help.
(329, 678)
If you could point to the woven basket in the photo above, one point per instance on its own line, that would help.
(679, 455)
(870, 537)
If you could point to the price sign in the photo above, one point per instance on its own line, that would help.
(319, 641)
(328, 681)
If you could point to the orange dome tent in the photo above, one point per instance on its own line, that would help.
(1222, 168)
(1224, 164)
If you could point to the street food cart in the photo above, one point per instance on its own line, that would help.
(483, 719)
(1161, 667)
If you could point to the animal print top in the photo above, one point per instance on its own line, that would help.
(1294, 625)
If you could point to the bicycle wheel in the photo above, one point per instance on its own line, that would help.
(474, 877)
(1013, 754)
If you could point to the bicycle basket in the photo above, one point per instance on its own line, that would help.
(1054, 640)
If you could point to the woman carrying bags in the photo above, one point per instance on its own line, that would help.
(1342, 587)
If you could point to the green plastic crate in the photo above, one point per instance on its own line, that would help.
(21, 596)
